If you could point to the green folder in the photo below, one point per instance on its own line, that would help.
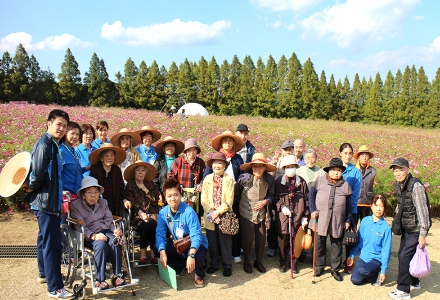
(168, 275)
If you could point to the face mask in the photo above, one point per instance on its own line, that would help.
(290, 172)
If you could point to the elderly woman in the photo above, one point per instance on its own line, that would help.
(127, 141)
(253, 192)
(148, 136)
(218, 198)
(310, 172)
(291, 201)
(102, 134)
(329, 199)
(85, 148)
(143, 196)
(167, 151)
(374, 245)
(180, 220)
(99, 230)
(354, 178)
(105, 161)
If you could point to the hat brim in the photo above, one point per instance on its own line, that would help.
(193, 146)
(370, 154)
(298, 247)
(247, 167)
(396, 165)
(329, 167)
(101, 189)
(211, 160)
(179, 146)
(216, 142)
(129, 171)
(156, 134)
(120, 155)
(135, 138)
(14, 174)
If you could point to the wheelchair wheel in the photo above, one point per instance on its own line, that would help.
(79, 291)
(69, 256)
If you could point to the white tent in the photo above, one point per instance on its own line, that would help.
(193, 109)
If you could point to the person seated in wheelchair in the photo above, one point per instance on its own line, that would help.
(143, 195)
(101, 232)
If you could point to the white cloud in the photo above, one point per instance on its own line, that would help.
(166, 34)
(356, 23)
(275, 25)
(400, 58)
(282, 5)
(419, 18)
(61, 42)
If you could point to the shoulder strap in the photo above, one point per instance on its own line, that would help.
(171, 224)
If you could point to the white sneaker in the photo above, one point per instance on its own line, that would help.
(237, 259)
(415, 287)
(61, 294)
(397, 294)
(271, 252)
(377, 283)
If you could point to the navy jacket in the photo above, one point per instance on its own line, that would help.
(236, 162)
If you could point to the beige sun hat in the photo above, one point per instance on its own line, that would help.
(155, 133)
(168, 139)
(216, 141)
(135, 137)
(129, 171)
(289, 160)
(258, 158)
(363, 149)
(14, 174)
(90, 181)
(120, 154)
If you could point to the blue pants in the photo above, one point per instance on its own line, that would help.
(104, 249)
(408, 247)
(366, 272)
(49, 250)
(178, 262)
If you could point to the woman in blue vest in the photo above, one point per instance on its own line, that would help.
(149, 135)
(85, 148)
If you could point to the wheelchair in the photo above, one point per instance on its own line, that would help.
(78, 260)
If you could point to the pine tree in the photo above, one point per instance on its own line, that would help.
(5, 73)
(142, 87)
(388, 98)
(128, 90)
(36, 94)
(233, 93)
(247, 93)
(294, 87)
(156, 83)
(270, 89)
(433, 109)
(335, 99)
(258, 108)
(422, 116)
(224, 89)
(213, 87)
(70, 81)
(282, 92)
(404, 107)
(202, 82)
(172, 85)
(348, 112)
(310, 88)
(187, 83)
(325, 108)
(20, 74)
(372, 111)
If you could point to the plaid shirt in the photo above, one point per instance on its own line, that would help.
(184, 173)
(421, 204)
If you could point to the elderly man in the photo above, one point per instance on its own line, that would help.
(368, 182)
(248, 149)
(298, 149)
(412, 221)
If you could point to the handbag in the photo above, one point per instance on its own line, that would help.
(229, 223)
(420, 265)
(182, 245)
(351, 237)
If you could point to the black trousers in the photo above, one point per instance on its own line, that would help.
(272, 235)
(408, 247)
(251, 232)
(363, 211)
(336, 252)
(147, 233)
(219, 245)
(284, 245)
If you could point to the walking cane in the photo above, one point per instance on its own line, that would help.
(315, 221)
(291, 247)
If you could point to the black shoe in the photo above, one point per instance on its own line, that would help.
(41, 278)
(337, 276)
(283, 268)
(295, 270)
(260, 268)
(247, 268)
(211, 270)
(319, 272)
(227, 272)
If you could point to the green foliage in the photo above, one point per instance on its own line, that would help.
(70, 81)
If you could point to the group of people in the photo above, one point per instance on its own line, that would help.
(272, 200)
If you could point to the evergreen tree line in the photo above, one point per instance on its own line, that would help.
(287, 89)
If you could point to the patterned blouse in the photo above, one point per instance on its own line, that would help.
(217, 190)
(148, 203)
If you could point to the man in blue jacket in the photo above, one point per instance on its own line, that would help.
(45, 195)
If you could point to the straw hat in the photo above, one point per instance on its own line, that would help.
(120, 154)
(363, 149)
(216, 141)
(168, 139)
(14, 174)
(155, 133)
(191, 143)
(258, 158)
(217, 156)
(289, 160)
(135, 137)
(303, 241)
(335, 162)
(129, 171)
(90, 181)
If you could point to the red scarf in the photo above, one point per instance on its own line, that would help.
(229, 154)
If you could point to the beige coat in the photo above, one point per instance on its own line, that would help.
(208, 193)
(302, 171)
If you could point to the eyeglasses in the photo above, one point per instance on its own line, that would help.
(92, 193)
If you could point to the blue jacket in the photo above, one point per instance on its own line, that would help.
(250, 150)
(374, 242)
(354, 178)
(83, 153)
(72, 171)
(186, 219)
(45, 178)
(236, 162)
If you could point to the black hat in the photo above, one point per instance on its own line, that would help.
(242, 127)
(400, 162)
(335, 162)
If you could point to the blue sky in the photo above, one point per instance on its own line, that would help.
(341, 37)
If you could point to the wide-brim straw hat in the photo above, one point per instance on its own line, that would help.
(14, 174)
(169, 139)
(156, 135)
(120, 154)
(303, 241)
(363, 149)
(87, 182)
(289, 160)
(217, 144)
(335, 162)
(217, 156)
(129, 171)
(258, 158)
(135, 137)
(192, 143)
